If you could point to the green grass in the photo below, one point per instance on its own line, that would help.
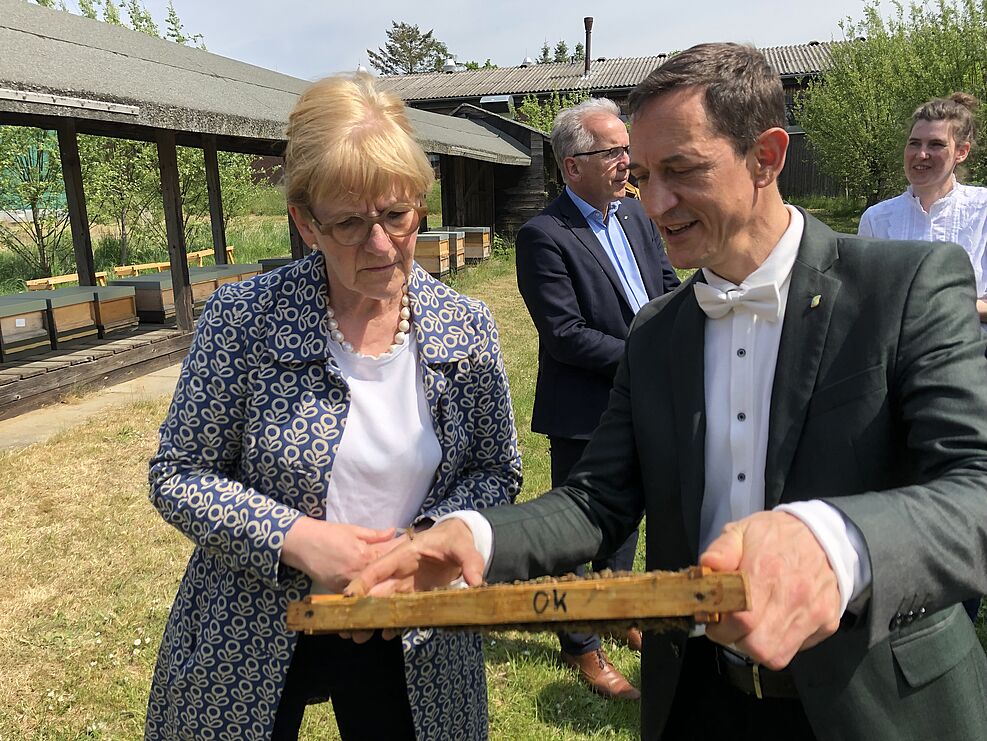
(840, 214)
(267, 201)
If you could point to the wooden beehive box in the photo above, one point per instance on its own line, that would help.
(478, 243)
(71, 312)
(457, 247)
(432, 252)
(115, 306)
(153, 296)
(23, 326)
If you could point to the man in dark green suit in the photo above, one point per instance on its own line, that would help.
(818, 420)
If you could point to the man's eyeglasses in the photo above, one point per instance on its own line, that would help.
(609, 155)
(349, 230)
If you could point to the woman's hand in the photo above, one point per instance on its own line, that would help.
(331, 553)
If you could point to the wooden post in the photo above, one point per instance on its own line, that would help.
(298, 248)
(215, 197)
(75, 196)
(172, 197)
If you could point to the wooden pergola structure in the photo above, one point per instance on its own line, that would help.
(74, 76)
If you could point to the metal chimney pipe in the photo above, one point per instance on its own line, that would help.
(588, 24)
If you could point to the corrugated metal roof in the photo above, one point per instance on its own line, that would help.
(605, 74)
(177, 87)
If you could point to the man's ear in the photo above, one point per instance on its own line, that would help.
(571, 167)
(767, 156)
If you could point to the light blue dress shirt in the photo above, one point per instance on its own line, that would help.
(614, 242)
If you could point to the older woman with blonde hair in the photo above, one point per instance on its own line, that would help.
(322, 408)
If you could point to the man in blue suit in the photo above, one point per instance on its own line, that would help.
(585, 266)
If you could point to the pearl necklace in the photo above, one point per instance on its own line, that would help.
(400, 336)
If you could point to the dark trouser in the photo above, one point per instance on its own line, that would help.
(365, 682)
(565, 452)
(706, 706)
(972, 607)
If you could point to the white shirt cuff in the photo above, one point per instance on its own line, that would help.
(843, 543)
(482, 533)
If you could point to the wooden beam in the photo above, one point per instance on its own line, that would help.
(75, 196)
(172, 197)
(696, 593)
(215, 197)
(298, 248)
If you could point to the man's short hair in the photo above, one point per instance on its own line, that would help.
(743, 96)
(569, 132)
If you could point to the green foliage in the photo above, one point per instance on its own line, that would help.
(546, 54)
(111, 13)
(140, 17)
(561, 52)
(176, 31)
(476, 65)
(88, 9)
(541, 113)
(32, 199)
(579, 54)
(121, 179)
(267, 200)
(856, 115)
(408, 50)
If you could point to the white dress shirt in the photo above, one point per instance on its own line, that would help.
(960, 216)
(741, 351)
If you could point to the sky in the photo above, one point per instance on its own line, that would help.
(311, 38)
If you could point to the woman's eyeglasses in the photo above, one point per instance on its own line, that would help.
(349, 230)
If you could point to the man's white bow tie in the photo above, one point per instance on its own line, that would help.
(763, 301)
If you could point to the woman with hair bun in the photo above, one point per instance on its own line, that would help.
(936, 207)
(322, 408)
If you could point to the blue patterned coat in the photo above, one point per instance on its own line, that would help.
(248, 447)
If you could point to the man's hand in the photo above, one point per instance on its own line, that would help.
(795, 599)
(435, 558)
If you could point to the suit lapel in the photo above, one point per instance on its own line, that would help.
(803, 338)
(575, 221)
(689, 403)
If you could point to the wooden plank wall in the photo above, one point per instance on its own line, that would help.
(801, 176)
(467, 192)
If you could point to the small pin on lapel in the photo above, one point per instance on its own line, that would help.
(815, 301)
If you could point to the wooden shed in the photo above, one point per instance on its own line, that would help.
(73, 75)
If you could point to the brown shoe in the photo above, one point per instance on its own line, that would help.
(633, 639)
(602, 677)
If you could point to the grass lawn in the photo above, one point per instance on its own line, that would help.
(91, 570)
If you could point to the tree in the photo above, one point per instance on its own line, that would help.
(176, 31)
(856, 115)
(476, 65)
(546, 54)
(541, 114)
(32, 198)
(408, 50)
(579, 54)
(120, 176)
(561, 52)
